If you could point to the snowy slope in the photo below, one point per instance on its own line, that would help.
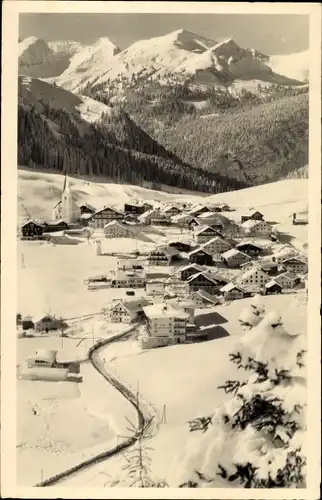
(38, 191)
(277, 201)
(33, 90)
(291, 65)
(86, 62)
(190, 377)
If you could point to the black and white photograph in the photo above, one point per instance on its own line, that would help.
(163, 163)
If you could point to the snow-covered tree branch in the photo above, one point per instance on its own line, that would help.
(257, 438)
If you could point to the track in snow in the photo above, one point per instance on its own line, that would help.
(143, 417)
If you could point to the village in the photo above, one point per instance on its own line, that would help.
(210, 255)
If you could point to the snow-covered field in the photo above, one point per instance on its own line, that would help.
(39, 192)
(181, 383)
(85, 418)
(73, 421)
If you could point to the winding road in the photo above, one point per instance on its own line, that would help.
(144, 415)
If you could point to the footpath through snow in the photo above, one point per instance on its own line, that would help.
(141, 406)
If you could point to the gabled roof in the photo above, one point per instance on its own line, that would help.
(87, 205)
(189, 266)
(133, 305)
(249, 243)
(55, 222)
(230, 286)
(272, 283)
(197, 208)
(204, 295)
(202, 229)
(205, 274)
(233, 252)
(290, 259)
(107, 208)
(216, 238)
(198, 250)
(168, 208)
(35, 223)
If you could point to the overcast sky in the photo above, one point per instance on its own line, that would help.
(271, 34)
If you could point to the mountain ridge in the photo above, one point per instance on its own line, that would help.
(181, 52)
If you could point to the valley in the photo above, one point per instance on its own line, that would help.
(162, 259)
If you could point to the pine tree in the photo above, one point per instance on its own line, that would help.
(256, 440)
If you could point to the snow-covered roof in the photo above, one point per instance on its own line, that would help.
(293, 259)
(288, 275)
(253, 223)
(205, 295)
(250, 213)
(133, 305)
(34, 222)
(163, 310)
(271, 283)
(198, 250)
(55, 222)
(127, 274)
(168, 208)
(205, 274)
(248, 242)
(169, 251)
(48, 355)
(232, 253)
(205, 228)
(179, 217)
(108, 208)
(115, 223)
(230, 286)
(196, 209)
(86, 216)
(213, 240)
(190, 266)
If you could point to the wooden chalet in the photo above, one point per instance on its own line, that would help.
(32, 229)
(103, 216)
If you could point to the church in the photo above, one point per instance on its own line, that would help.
(67, 209)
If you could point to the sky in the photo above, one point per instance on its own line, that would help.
(271, 34)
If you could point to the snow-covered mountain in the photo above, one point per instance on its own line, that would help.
(87, 61)
(176, 56)
(183, 54)
(34, 92)
(65, 47)
(38, 59)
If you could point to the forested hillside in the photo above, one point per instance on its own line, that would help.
(114, 147)
(266, 142)
(255, 136)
